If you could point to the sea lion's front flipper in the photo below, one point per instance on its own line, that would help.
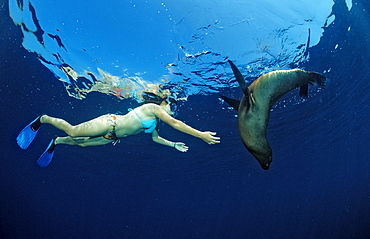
(232, 102)
(239, 77)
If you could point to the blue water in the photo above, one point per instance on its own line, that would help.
(317, 185)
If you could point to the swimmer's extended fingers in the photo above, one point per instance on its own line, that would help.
(181, 147)
(210, 138)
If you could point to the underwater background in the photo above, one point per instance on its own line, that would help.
(317, 185)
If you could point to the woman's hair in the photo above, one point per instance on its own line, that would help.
(150, 97)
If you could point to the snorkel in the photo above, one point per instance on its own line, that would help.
(150, 97)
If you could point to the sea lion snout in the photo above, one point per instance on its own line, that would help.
(263, 155)
(265, 161)
(265, 166)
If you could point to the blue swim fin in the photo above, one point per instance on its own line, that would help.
(27, 135)
(47, 156)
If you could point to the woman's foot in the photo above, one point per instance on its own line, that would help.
(52, 145)
(36, 125)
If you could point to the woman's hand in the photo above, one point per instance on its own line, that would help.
(181, 147)
(208, 137)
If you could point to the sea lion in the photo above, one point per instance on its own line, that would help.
(255, 105)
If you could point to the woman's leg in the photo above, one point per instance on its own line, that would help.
(82, 141)
(95, 127)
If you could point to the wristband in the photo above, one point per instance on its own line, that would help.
(174, 145)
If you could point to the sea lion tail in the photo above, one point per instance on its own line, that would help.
(318, 79)
(313, 78)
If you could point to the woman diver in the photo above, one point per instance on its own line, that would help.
(110, 128)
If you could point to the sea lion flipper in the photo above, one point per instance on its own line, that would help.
(313, 78)
(232, 102)
(319, 79)
(239, 77)
(303, 91)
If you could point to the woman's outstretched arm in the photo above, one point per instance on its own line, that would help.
(207, 136)
(177, 145)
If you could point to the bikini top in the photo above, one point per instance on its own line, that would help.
(148, 125)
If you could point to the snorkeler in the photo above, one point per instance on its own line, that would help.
(110, 128)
